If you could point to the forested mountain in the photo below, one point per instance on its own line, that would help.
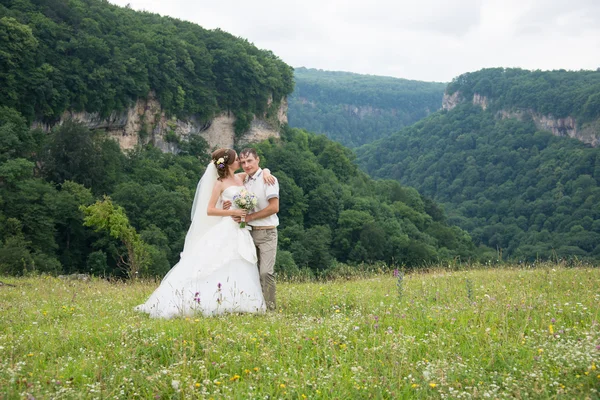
(89, 55)
(356, 109)
(557, 93)
(512, 186)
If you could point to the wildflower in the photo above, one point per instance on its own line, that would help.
(217, 383)
(282, 386)
(246, 371)
(30, 355)
(234, 378)
(175, 384)
(432, 385)
(551, 329)
(255, 369)
(540, 351)
(197, 385)
(414, 386)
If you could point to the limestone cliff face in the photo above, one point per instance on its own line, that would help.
(146, 122)
(450, 101)
(587, 133)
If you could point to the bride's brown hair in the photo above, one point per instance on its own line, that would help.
(222, 158)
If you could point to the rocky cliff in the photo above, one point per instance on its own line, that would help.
(146, 122)
(586, 133)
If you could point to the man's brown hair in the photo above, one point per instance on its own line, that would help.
(248, 151)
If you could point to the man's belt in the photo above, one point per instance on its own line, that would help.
(262, 227)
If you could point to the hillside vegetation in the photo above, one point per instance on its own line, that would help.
(558, 93)
(522, 191)
(355, 109)
(89, 55)
(330, 211)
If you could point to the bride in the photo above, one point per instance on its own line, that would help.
(217, 270)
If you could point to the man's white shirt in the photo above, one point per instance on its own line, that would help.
(263, 192)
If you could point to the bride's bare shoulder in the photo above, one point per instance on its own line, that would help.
(219, 186)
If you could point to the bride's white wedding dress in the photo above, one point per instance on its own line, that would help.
(217, 272)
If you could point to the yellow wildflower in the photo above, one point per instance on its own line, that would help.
(197, 385)
(414, 385)
(433, 385)
(282, 386)
(551, 329)
(234, 378)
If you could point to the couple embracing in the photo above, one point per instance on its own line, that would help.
(225, 267)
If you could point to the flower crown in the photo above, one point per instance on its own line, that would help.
(222, 161)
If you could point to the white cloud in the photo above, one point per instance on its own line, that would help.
(432, 40)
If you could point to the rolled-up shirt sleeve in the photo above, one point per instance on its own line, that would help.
(272, 191)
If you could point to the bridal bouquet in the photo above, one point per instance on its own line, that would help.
(245, 200)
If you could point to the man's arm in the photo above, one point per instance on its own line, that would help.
(272, 208)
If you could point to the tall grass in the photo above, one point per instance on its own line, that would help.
(488, 333)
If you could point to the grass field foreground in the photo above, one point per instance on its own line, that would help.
(494, 333)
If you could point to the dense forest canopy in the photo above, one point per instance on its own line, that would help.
(516, 189)
(89, 55)
(558, 93)
(356, 109)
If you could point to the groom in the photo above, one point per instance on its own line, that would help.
(264, 222)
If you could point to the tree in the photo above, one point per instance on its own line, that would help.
(105, 216)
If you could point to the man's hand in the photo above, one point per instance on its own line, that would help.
(226, 205)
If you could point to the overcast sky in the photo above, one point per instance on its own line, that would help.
(429, 40)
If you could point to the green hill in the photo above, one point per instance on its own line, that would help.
(558, 93)
(511, 185)
(89, 55)
(356, 109)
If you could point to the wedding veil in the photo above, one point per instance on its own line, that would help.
(201, 222)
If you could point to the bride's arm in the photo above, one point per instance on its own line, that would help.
(267, 177)
(218, 212)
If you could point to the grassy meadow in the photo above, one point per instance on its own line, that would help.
(483, 333)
